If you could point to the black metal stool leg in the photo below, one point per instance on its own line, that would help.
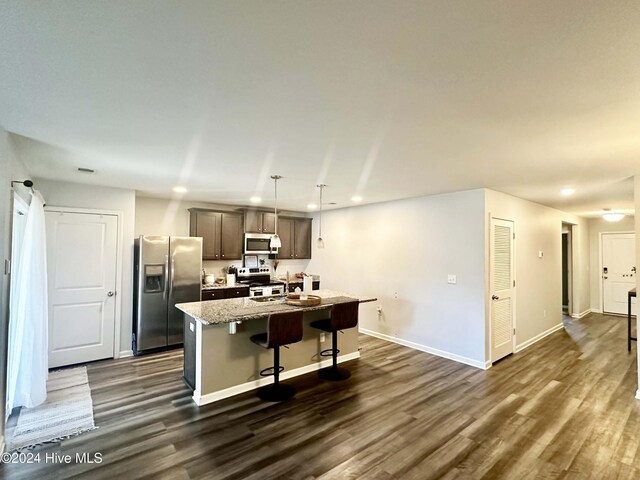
(334, 373)
(276, 392)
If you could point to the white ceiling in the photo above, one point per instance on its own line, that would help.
(378, 98)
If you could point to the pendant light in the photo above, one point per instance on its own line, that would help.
(275, 239)
(320, 241)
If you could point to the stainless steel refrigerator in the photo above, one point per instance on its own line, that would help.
(167, 271)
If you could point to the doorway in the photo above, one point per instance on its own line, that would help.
(618, 269)
(502, 287)
(82, 253)
(567, 262)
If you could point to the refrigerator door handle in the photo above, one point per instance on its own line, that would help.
(166, 277)
(171, 279)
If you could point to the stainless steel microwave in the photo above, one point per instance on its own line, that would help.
(258, 243)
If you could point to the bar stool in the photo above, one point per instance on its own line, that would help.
(282, 329)
(343, 316)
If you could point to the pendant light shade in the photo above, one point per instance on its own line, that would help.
(275, 239)
(320, 241)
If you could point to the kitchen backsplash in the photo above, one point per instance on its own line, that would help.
(215, 266)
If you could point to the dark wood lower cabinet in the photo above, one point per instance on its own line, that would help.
(221, 293)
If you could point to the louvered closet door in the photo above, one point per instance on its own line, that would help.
(502, 288)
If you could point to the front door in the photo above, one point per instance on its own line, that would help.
(618, 271)
(81, 263)
(502, 288)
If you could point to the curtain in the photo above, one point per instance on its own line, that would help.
(27, 367)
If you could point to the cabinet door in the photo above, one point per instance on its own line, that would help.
(268, 222)
(212, 294)
(285, 232)
(252, 221)
(236, 292)
(208, 227)
(231, 238)
(302, 238)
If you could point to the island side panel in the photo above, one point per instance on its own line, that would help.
(229, 361)
(190, 351)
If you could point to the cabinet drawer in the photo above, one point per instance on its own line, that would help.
(236, 292)
(212, 294)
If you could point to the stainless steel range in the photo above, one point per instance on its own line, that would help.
(259, 281)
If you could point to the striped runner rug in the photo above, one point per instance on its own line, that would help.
(68, 411)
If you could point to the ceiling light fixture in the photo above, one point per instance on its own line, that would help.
(356, 198)
(320, 241)
(180, 189)
(255, 199)
(275, 239)
(565, 192)
(312, 206)
(610, 216)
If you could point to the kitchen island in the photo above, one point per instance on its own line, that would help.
(221, 361)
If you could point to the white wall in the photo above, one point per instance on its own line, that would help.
(596, 227)
(409, 246)
(63, 194)
(539, 280)
(11, 168)
(637, 229)
(161, 216)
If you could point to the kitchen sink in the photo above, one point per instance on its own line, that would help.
(267, 299)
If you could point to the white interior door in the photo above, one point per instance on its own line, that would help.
(618, 271)
(502, 287)
(81, 262)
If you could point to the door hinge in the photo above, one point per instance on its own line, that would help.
(514, 236)
(514, 283)
(514, 331)
(7, 266)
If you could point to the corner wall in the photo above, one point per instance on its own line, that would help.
(539, 280)
(75, 195)
(401, 252)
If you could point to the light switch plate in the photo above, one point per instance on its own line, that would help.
(452, 278)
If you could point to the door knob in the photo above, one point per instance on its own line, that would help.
(110, 294)
(495, 297)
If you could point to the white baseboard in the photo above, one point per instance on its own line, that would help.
(538, 337)
(637, 396)
(126, 353)
(424, 348)
(583, 314)
(596, 310)
(200, 399)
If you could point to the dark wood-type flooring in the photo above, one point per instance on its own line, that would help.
(563, 408)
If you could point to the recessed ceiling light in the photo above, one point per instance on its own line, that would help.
(356, 198)
(180, 189)
(312, 206)
(567, 191)
(255, 199)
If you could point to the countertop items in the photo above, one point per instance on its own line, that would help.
(238, 309)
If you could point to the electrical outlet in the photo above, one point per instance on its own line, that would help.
(452, 278)
(321, 337)
(379, 310)
(395, 294)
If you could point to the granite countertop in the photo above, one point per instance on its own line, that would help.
(215, 312)
(220, 286)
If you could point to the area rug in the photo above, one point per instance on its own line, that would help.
(68, 411)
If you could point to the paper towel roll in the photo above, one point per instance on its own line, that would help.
(231, 279)
(307, 284)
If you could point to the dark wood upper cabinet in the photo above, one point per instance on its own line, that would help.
(256, 221)
(231, 236)
(207, 225)
(285, 232)
(295, 235)
(221, 232)
(302, 238)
